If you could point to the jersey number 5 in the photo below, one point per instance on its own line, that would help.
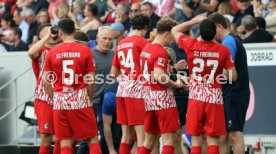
(200, 69)
(67, 70)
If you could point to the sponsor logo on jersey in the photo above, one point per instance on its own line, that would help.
(161, 61)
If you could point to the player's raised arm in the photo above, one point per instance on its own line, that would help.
(45, 35)
(185, 26)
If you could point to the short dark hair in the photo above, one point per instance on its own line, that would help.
(18, 10)
(149, 4)
(165, 25)
(8, 18)
(17, 31)
(41, 27)
(219, 19)
(67, 26)
(126, 7)
(81, 36)
(261, 23)
(207, 29)
(140, 22)
(93, 9)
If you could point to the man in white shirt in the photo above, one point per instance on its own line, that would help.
(21, 24)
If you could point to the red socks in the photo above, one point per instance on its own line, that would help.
(143, 150)
(196, 150)
(168, 149)
(213, 149)
(67, 150)
(57, 147)
(95, 148)
(44, 149)
(124, 148)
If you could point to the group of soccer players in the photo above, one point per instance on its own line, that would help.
(145, 101)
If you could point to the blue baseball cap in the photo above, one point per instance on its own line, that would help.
(117, 26)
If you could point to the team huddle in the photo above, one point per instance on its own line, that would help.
(145, 103)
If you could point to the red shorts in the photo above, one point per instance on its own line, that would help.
(45, 117)
(130, 111)
(80, 123)
(162, 121)
(205, 117)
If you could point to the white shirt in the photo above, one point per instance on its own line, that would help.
(24, 28)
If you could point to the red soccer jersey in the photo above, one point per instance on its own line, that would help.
(38, 68)
(153, 56)
(156, 95)
(127, 59)
(206, 61)
(70, 62)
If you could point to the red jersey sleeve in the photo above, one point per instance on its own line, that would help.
(161, 60)
(228, 61)
(115, 61)
(91, 67)
(48, 66)
(186, 42)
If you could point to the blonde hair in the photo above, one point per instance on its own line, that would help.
(226, 8)
(64, 8)
(43, 11)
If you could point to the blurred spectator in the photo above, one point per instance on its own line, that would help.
(30, 18)
(15, 38)
(7, 6)
(53, 4)
(6, 26)
(253, 34)
(162, 7)
(260, 21)
(22, 24)
(91, 21)
(207, 6)
(271, 18)
(135, 9)
(184, 9)
(113, 3)
(23, 3)
(148, 10)
(43, 17)
(102, 7)
(245, 8)
(118, 33)
(35, 5)
(61, 12)
(122, 15)
(81, 37)
(226, 9)
(78, 7)
(260, 9)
